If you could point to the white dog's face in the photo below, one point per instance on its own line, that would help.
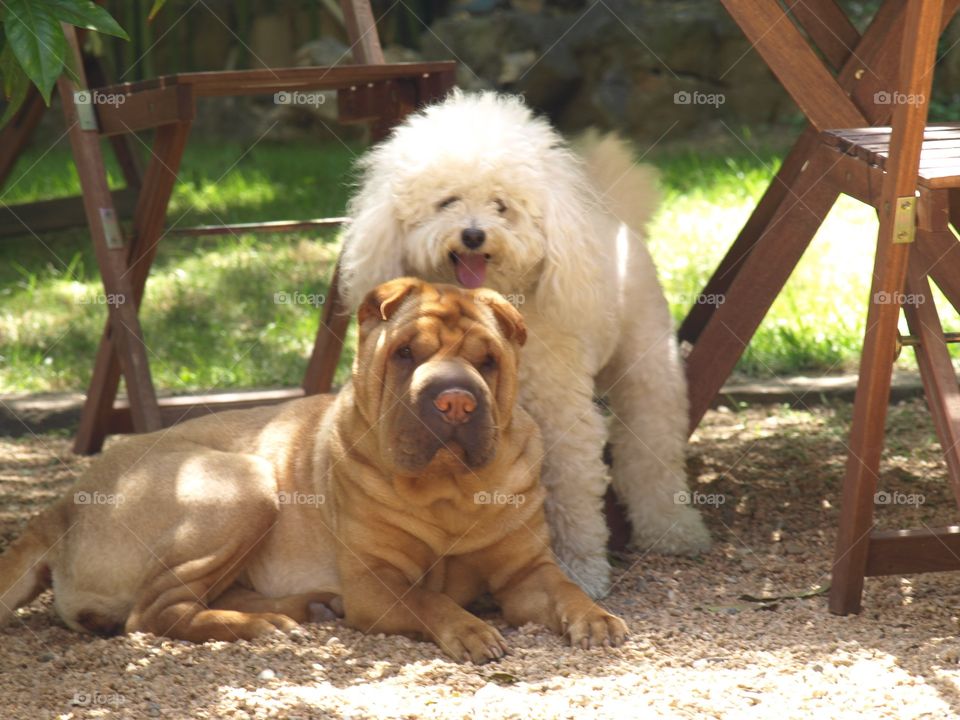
(480, 232)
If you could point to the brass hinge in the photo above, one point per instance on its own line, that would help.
(905, 221)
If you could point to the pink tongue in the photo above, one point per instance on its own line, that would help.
(471, 270)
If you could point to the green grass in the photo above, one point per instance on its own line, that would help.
(211, 320)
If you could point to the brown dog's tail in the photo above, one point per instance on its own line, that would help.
(25, 566)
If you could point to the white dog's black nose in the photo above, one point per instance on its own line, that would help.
(473, 237)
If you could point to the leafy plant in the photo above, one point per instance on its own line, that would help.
(33, 47)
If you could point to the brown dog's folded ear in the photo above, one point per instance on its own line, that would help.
(508, 317)
(383, 300)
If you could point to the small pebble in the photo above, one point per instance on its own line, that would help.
(267, 675)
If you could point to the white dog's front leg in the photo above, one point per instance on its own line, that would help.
(573, 472)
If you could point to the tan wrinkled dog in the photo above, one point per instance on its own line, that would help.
(407, 495)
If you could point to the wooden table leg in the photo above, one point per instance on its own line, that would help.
(757, 284)
(148, 221)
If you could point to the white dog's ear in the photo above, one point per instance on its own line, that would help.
(372, 242)
(570, 289)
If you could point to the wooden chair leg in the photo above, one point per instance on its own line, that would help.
(936, 368)
(920, 33)
(757, 284)
(329, 343)
(148, 221)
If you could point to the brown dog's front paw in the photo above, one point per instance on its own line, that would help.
(472, 641)
(595, 628)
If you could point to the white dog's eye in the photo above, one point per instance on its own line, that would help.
(501, 205)
(447, 202)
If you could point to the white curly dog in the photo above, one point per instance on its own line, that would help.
(477, 191)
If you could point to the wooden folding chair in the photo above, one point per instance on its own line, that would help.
(369, 92)
(915, 194)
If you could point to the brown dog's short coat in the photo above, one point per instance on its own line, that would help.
(404, 497)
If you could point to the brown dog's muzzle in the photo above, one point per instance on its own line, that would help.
(450, 410)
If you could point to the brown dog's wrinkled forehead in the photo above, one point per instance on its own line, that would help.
(447, 303)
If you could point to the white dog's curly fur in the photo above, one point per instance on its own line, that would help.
(561, 237)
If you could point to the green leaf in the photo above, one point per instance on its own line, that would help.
(157, 4)
(15, 84)
(36, 39)
(84, 14)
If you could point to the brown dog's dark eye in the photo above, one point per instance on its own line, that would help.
(501, 206)
(489, 363)
(404, 353)
(447, 202)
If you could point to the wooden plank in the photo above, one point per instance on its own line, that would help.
(143, 110)
(362, 31)
(799, 70)
(921, 32)
(178, 409)
(902, 552)
(941, 253)
(829, 27)
(271, 226)
(267, 80)
(57, 214)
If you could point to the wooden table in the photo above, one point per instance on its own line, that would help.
(835, 80)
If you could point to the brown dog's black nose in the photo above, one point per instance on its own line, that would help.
(456, 404)
(473, 237)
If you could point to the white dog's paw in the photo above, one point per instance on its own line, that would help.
(592, 574)
(680, 532)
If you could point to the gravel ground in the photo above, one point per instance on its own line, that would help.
(767, 480)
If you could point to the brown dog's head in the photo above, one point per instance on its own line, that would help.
(436, 373)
